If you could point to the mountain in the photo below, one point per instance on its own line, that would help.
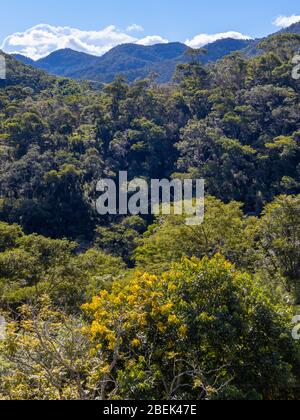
(131, 60)
(137, 61)
(24, 60)
(252, 49)
(66, 62)
(293, 29)
(219, 49)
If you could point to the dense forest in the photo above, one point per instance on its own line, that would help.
(114, 307)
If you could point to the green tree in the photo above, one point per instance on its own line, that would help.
(280, 238)
(225, 230)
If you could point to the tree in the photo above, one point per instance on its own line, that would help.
(224, 231)
(280, 238)
(32, 265)
(204, 330)
(121, 239)
(25, 132)
(9, 235)
(46, 357)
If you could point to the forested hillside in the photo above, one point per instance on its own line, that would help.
(150, 308)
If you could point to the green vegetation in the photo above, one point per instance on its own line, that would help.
(150, 308)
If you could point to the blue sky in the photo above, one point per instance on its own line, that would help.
(171, 20)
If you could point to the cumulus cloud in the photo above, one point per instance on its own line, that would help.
(203, 39)
(134, 28)
(286, 21)
(152, 40)
(41, 40)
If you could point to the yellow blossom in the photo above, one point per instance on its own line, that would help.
(135, 288)
(161, 327)
(172, 319)
(166, 308)
(183, 330)
(131, 299)
(136, 342)
(172, 287)
(104, 294)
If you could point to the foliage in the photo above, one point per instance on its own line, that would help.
(31, 266)
(46, 357)
(191, 333)
(201, 331)
(234, 123)
(280, 238)
(225, 230)
(197, 324)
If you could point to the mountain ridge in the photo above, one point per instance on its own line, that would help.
(131, 60)
(135, 61)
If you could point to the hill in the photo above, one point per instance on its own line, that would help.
(23, 75)
(131, 60)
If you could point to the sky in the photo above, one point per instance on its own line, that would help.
(35, 28)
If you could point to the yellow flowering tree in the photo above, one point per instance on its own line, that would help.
(46, 356)
(202, 330)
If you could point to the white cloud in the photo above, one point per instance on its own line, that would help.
(41, 40)
(203, 39)
(152, 40)
(134, 28)
(286, 21)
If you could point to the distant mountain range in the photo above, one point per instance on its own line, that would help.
(137, 61)
(131, 60)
